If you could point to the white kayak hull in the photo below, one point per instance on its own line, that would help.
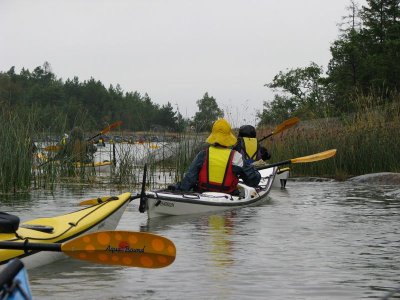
(169, 203)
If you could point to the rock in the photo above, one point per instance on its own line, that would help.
(384, 178)
(310, 179)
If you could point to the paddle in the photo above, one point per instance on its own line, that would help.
(305, 159)
(281, 127)
(52, 148)
(127, 248)
(105, 130)
(143, 199)
(58, 147)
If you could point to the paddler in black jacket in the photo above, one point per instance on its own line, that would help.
(218, 168)
(248, 145)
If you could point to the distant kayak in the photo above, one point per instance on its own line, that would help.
(99, 167)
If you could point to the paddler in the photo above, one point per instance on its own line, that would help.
(248, 145)
(77, 149)
(218, 168)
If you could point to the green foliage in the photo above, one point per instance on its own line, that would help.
(88, 104)
(207, 114)
(302, 92)
(365, 61)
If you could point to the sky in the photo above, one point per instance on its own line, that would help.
(173, 50)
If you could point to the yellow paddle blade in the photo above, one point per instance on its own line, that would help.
(133, 249)
(113, 125)
(96, 201)
(314, 157)
(286, 124)
(53, 148)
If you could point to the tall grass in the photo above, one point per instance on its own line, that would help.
(366, 142)
(167, 161)
(16, 150)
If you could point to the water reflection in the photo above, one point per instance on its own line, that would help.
(220, 239)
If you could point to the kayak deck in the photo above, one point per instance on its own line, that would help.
(62, 228)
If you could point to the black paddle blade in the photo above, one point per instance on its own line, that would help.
(143, 199)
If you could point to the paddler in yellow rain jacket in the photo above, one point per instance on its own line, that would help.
(218, 168)
(248, 145)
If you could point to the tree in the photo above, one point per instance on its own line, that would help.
(167, 117)
(207, 114)
(278, 110)
(347, 70)
(301, 93)
(382, 34)
(365, 59)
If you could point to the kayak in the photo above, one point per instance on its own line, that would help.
(104, 215)
(281, 178)
(14, 283)
(174, 203)
(98, 167)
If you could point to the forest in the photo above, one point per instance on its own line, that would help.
(58, 104)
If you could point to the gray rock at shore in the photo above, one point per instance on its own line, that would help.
(378, 178)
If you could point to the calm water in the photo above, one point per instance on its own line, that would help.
(322, 240)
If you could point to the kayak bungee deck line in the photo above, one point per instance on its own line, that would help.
(59, 229)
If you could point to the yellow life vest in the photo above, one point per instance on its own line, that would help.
(217, 162)
(251, 146)
(216, 174)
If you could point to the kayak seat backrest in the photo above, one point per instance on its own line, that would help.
(8, 223)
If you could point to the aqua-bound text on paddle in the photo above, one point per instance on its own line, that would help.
(125, 249)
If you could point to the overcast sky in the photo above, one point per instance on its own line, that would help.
(173, 50)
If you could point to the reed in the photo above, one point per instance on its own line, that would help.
(16, 150)
(167, 160)
(366, 142)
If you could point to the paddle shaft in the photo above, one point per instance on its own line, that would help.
(265, 137)
(93, 137)
(105, 130)
(143, 200)
(26, 246)
(277, 164)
